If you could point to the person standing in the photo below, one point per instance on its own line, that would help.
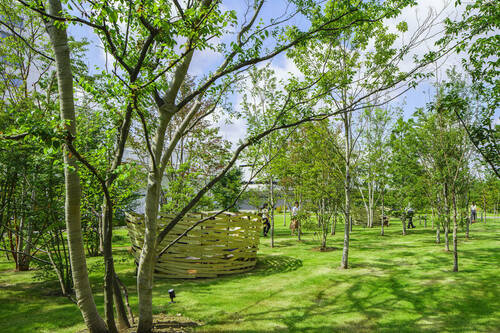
(294, 220)
(473, 212)
(409, 216)
(265, 219)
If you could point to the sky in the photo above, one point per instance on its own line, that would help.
(414, 16)
(206, 61)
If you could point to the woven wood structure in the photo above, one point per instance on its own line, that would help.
(227, 244)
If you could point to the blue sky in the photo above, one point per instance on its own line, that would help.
(206, 61)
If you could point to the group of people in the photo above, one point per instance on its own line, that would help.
(410, 212)
(294, 224)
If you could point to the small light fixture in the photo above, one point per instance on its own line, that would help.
(171, 293)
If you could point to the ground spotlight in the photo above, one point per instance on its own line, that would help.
(171, 293)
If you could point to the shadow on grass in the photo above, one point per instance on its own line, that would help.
(269, 264)
(381, 301)
(266, 265)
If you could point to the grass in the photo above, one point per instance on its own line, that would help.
(394, 284)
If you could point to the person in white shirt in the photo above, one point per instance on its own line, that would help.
(295, 222)
(473, 212)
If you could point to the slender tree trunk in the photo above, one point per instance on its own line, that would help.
(447, 218)
(25, 257)
(284, 213)
(446, 238)
(467, 227)
(299, 224)
(467, 217)
(347, 190)
(147, 260)
(20, 245)
(109, 269)
(20, 229)
(85, 300)
(383, 215)
(438, 234)
(111, 289)
(121, 311)
(272, 211)
(371, 204)
(433, 216)
(484, 209)
(100, 228)
(403, 222)
(455, 227)
(334, 225)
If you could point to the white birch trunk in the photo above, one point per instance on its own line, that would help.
(347, 190)
(147, 260)
(85, 299)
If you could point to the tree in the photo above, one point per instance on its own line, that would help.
(375, 155)
(475, 33)
(152, 67)
(346, 74)
(59, 42)
(445, 148)
(405, 171)
(315, 150)
(261, 107)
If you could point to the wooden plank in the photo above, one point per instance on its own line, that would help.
(227, 244)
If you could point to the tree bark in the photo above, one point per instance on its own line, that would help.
(121, 311)
(403, 222)
(347, 190)
(455, 227)
(334, 225)
(284, 213)
(447, 218)
(272, 211)
(438, 234)
(433, 216)
(371, 203)
(85, 300)
(147, 260)
(467, 227)
(109, 274)
(484, 209)
(383, 215)
(446, 238)
(112, 292)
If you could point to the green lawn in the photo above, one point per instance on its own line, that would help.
(394, 284)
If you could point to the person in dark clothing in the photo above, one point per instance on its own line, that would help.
(265, 219)
(409, 216)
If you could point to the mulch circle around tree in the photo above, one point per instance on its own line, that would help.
(327, 249)
(163, 323)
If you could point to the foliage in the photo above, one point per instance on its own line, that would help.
(477, 39)
(227, 189)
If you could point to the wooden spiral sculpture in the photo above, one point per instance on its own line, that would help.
(226, 244)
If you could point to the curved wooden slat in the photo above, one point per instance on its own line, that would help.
(228, 244)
